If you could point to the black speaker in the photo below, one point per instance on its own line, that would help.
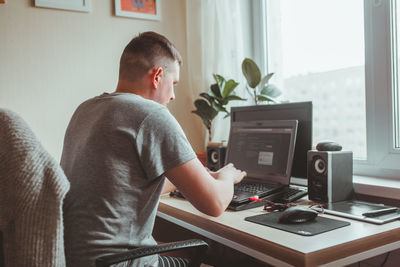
(330, 175)
(216, 157)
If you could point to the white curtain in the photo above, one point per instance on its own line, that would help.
(215, 44)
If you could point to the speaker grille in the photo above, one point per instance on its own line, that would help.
(215, 157)
(319, 166)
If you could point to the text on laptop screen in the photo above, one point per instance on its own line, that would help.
(260, 152)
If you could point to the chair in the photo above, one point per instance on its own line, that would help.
(32, 189)
(200, 245)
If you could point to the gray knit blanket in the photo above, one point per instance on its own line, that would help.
(32, 189)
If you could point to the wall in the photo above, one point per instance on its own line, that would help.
(52, 60)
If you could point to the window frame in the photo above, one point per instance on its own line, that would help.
(382, 157)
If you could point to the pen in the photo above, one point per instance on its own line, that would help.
(375, 213)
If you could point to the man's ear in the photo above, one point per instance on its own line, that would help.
(157, 75)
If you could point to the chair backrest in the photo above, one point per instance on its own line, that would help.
(32, 189)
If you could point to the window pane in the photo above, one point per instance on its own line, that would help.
(396, 99)
(316, 50)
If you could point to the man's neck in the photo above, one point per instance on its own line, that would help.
(133, 88)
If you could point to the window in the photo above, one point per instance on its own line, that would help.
(343, 56)
(316, 56)
(396, 71)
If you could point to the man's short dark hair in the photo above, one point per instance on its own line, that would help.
(143, 53)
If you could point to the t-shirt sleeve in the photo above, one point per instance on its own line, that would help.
(162, 144)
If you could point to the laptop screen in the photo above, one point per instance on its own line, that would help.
(264, 149)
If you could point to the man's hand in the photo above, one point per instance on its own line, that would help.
(209, 192)
(228, 170)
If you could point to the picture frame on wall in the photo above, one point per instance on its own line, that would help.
(140, 9)
(74, 5)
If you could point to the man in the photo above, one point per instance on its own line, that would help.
(118, 150)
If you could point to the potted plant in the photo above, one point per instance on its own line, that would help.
(215, 101)
(261, 90)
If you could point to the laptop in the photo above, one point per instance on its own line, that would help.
(264, 149)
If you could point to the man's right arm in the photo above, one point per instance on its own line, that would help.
(209, 192)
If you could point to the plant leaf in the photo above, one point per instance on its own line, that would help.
(251, 72)
(204, 110)
(219, 107)
(200, 104)
(220, 102)
(205, 121)
(265, 98)
(210, 99)
(215, 90)
(220, 81)
(271, 90)
(229, 87)
(234, 97)
(266, 79)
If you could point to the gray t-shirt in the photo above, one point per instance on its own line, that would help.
(116, 149)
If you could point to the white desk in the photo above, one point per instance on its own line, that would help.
(338, 247)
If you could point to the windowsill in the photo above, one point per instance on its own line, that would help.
(378, 187)
(372, 186)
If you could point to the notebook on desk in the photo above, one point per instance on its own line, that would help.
(264, 149)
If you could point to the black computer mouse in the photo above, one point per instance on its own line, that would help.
(297, 214)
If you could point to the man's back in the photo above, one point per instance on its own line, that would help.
(116, 149)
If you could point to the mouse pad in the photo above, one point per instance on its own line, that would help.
(317, 226)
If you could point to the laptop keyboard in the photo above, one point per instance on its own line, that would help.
(291, 194)
(256, 189)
